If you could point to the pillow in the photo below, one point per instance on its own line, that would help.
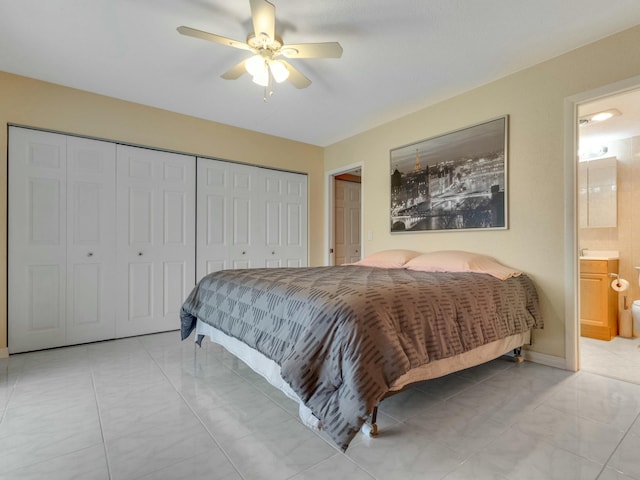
(459, 261)
(388, 259)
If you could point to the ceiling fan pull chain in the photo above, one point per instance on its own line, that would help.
(270, 81)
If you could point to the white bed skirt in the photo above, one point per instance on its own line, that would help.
(260, 364)
(271, 370)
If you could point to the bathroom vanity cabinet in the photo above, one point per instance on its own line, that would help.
(598, 301)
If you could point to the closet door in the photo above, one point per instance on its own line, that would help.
(37, 240)
(283, 198)
(249, 217)
(228, 216)
(91, 240)
(156, 238)
(61, 240)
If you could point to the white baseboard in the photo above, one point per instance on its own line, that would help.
(4, 353)
(544, 359)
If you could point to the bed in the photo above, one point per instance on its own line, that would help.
(340, 339)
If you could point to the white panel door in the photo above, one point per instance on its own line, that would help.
(347, 222)
(37, 240)
(212, 205)
(243, 222)
(155, 238)
(283, 199)
(228, 223)
(91, 240)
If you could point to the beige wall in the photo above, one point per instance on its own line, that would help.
(33, 103)
(534, 99)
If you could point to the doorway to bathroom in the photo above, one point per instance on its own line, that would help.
(608, 178)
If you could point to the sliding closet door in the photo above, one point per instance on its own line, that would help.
(91, 245)
(156, 238)
(37, 240)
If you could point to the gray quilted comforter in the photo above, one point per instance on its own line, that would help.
(343, 335)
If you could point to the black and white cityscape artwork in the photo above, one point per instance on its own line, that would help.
(453, 181)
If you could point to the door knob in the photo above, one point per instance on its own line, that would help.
(90, 254)
(139, 254)
(273, 253)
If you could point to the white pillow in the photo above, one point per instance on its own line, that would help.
(459, 261)
(388, 259)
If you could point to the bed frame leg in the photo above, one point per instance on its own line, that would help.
(371, 428)
(518, 353)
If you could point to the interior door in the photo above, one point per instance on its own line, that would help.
(155, 238)
(347, 222)
(91, 240)
(37, 240)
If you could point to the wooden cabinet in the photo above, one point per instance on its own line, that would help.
(598, 301)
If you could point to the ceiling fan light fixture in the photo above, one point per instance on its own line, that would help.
(262, 78)
(265, 45)
(256, 65)
(279, 71)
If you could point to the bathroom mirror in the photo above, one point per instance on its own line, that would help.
(598, 193)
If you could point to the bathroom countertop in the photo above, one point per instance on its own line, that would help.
(599, 254)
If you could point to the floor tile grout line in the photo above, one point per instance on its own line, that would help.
(562, 447)
(97, 398)
(45, 460)
(195, 414)
(613, 452)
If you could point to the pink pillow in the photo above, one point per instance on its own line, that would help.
(388, 259)
(459, 261)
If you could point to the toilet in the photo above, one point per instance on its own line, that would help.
(635, 313)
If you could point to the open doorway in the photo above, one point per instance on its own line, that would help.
(344, 215)
(608, 174)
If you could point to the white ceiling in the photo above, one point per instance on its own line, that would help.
(399, 56)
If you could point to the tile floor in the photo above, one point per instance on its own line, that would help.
(618, 358)
(147, 408)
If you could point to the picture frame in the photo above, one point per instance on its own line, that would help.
(453, 181)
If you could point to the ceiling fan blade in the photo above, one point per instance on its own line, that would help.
(312, 50)
(296, 78)
(192, 32)
(235, 72)
(263, 15)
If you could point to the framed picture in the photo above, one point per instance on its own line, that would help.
(455, 181)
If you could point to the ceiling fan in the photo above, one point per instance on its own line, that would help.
(267, 47)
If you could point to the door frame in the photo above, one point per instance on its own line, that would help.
(571, 243)
(329, 215)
